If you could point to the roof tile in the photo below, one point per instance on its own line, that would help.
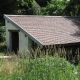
(50, 30)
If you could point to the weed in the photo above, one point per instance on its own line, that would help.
(41, 65)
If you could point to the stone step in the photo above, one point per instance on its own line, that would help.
(4, 57)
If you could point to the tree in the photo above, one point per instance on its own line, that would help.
(62, 8)
(73, 8)
(26, 7)
(55, 7)
(8, 7)
(14, 7)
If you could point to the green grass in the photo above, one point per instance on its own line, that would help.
(38, 68)
(50, 68)
(45, 68)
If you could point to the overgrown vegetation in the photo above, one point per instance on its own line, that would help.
(70, 53)
(62, 8)
(39, 66)
(2, 31)
(45, 68)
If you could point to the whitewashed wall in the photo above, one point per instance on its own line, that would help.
(9, 26)
(24, 41)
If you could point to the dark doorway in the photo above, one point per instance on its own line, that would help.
(15, 42)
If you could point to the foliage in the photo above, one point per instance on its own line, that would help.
(73, 8)
(55, 7)
(50, 68)
(2, 32)
(71, 53)
(15, 7)
(62, 8)
(26, 7)
(78, 70)
(8, 7)
(45, 68)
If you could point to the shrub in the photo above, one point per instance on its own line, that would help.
(50, 68)
(78, 70)
(2, 32)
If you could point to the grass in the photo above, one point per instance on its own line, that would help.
(46, 68)
(50, 68)
(43, 67)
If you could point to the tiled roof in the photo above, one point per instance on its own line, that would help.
(50, 30)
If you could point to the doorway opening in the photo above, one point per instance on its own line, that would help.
(15, 41)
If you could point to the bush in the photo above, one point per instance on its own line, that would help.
(78, 70)
(2, 32)
(50, 68)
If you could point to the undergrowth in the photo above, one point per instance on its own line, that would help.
(45, 68)
(40, 66)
